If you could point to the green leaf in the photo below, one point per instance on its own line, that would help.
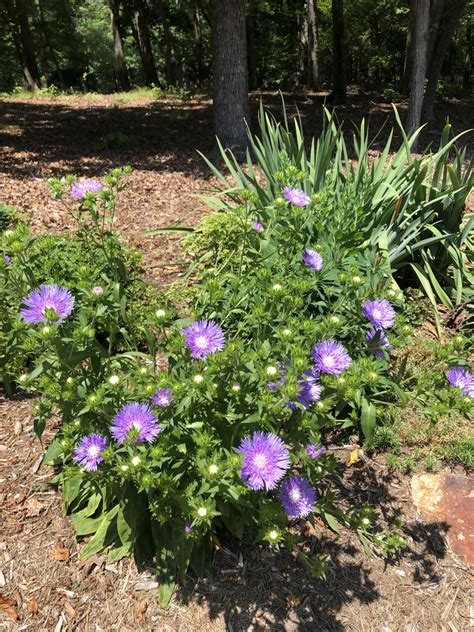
(367, 419)
(331, 521)
(53, 453)
(105, 535)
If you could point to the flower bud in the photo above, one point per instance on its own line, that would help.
(197, 379)
(160, 313)
(114, 380)
(213, 469)
(202, 512)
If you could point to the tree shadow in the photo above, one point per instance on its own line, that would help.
(261, 589)
(55, 137)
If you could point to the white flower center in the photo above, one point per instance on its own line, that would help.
(201, 342)
(136, 424)
(295, 495)
(260, 460)
(93, 451)
(377, 314)
(329, 361)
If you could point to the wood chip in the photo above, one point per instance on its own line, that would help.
(60, 552)
(33, 607)
(17, 428)
(142, 608)
(8, 609)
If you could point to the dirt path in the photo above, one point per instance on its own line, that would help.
(41, 578)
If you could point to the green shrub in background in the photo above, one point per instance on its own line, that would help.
(90, 259)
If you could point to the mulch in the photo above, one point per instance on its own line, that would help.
(43, 584)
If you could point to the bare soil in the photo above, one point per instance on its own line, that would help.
(42, 582)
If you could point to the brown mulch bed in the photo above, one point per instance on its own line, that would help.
(42, 581)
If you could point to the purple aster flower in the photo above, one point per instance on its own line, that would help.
(312, 259)
(80, 189)
(297, 497)
(379, 312)
(313, 450)
(310, 389)
(330, 357)
(88, 453)
(296, 196)
(257, 226)
(136, 417)
(163, 397)
(377, 341)
(204, 337)
(463, 379)
(188, 528)
(265, 460)
(97, 290)
(8, 260)
(48, 304)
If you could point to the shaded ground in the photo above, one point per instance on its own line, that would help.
(41, 578)
(43, 581)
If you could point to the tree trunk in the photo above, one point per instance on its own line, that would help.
(251, 52)
(467, 73)
(231, 104)
(418, 73)
(339, 91)
(23, 42)
(407, 68)
(198, 45)
(121, 71)
(43, 26)
(139, 11)
(313, 67)
(447, 27)
(170, 62)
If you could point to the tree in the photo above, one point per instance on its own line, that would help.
(418, 70)
(121, 71)
(17, 11)
(140, 22)
(231, 104)
(339, 91)
(442, 32)
(313, 67)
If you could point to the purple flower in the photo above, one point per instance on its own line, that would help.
(313, 450)
(137, 417)
(310, 389)
(312, 259)
(257, 226)
(204, 337)
(80, 189)
(297, 497)
(265, 460)
(377, 341)
(97, 290)
(88, 453)
(188, 528)
(8, 260)
(379, 312)
(330, 357)
(48, 304)
(163, 397)
(463, 379)
(296, 196)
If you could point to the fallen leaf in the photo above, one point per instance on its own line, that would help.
(353, 457)
(17, 428)
(34, 507)
(33, 607)
(8, 609)
(60, 552)
(142, 608)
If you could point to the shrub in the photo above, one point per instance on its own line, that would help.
(88, 259)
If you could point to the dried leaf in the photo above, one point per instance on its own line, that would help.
(8, 609)
(60, 552)
(33, 607)
(353, 457)
(142, 608)
(17, 428)
(34, 507)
